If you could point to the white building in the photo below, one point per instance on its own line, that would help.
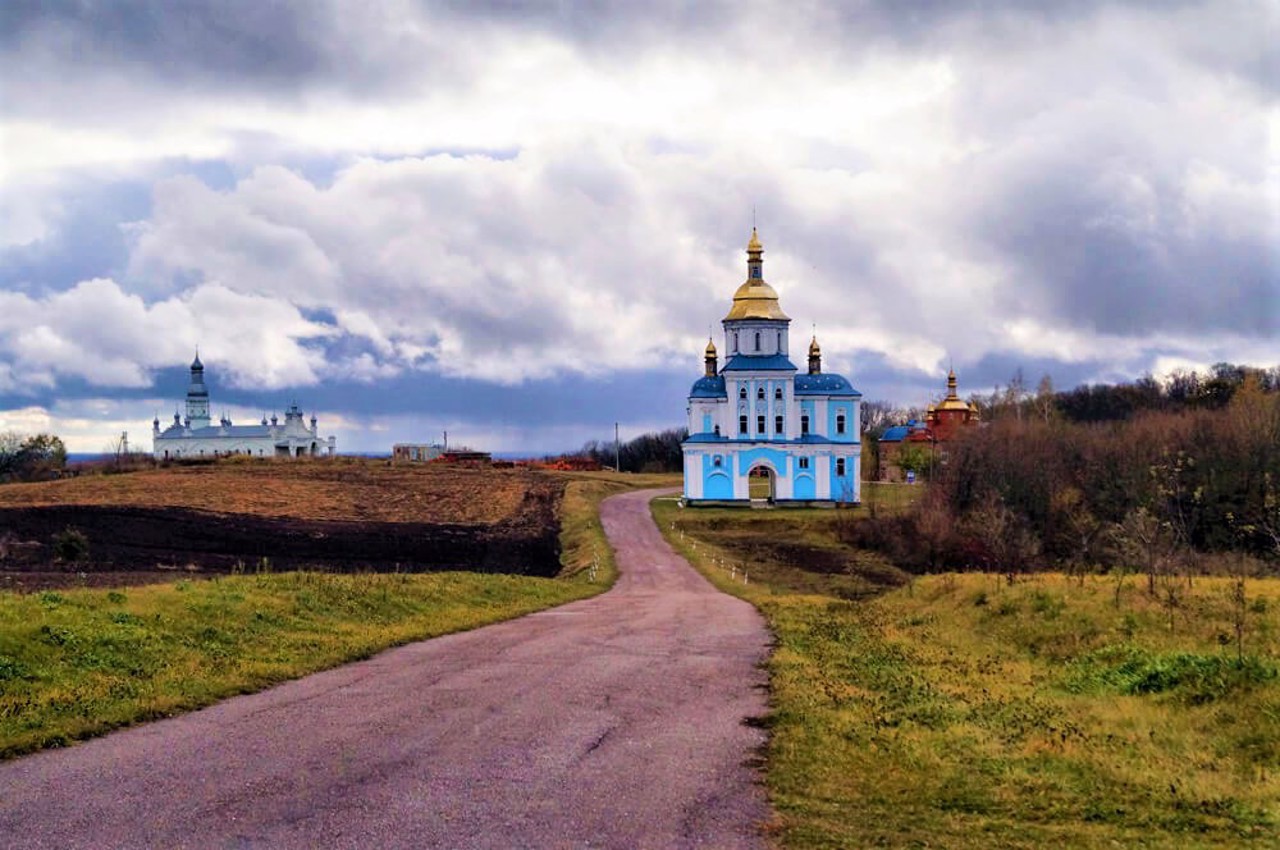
(756, 415)
(196, 436)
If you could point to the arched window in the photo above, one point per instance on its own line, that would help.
(760, 425)
(840, 467)
(804, 423)
(717, 461)
(757, 340)
(742, 424)
(839, 423)
(717, 430)
(735, 342)
(742, 392)
(760, 393)
(777, 424)
(779, 342)
(777, 393)
(804, 463)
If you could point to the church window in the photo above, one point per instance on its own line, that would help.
(717, 430)
(742, 424)
(777, 393)
(777, 424)
(717, 460)
(804, 463)
(839, 467)
(735, 342)
(755, 273)
(742, 392)
(757, 340)
(760, 425)
(779, 342)
(760, 393)
(840, 423)
(804, 423)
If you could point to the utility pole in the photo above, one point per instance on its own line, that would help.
(617, 450)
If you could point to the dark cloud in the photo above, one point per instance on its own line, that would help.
(1120, 243)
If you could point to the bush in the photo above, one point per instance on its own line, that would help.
(71, 545)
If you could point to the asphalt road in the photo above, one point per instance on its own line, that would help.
(612, 722)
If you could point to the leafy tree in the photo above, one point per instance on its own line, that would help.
(31, 458)
(913, 457)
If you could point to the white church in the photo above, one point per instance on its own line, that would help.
(756, 415)
(196, 435)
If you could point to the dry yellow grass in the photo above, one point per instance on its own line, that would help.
(350, 489)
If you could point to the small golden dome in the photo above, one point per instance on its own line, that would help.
(711, 348)
(814, 348)
(754, 246)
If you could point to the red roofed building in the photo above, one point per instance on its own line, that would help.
(943, 421)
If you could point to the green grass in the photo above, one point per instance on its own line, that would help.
(584, 549)
(78, 663)
(960, 711)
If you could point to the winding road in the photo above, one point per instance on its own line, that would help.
(614, 722)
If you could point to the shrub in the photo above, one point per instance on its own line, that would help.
(71, 545)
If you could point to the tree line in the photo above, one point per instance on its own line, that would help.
(654, 452)
(37, 457)
(1159, 483)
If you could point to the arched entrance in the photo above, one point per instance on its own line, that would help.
(762, 483)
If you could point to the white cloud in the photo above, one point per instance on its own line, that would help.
(101, 334)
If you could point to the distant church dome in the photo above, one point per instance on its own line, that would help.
(755, 299)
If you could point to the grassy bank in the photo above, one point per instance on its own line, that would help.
(961, 711)
(77, 663)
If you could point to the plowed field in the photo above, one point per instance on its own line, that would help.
(344, 489)
(343, 514)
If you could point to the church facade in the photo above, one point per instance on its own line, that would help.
(196, 435)
(756, 416)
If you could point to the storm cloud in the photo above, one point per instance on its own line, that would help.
(496, 201)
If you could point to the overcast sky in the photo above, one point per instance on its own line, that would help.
(519, 222)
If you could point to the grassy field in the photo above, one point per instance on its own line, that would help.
(963, 712)
(77, 663)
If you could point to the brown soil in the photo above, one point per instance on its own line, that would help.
(344, 516)
(352, 489)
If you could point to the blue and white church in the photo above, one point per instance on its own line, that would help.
(757, 415)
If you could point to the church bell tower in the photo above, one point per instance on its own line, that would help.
(197, 397)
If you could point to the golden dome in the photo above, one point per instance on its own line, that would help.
(814, 349)
(755, 299)
(711, 348)
(952, 401)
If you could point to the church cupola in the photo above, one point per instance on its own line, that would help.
(755, 299)
(815, 357)
(712, 365)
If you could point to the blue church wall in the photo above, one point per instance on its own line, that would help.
(773, 457)
(841, 408)
(717, 485)
(706, 422)
(844, 488)
(805, 488)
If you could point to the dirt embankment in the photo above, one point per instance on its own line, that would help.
(164, 538)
